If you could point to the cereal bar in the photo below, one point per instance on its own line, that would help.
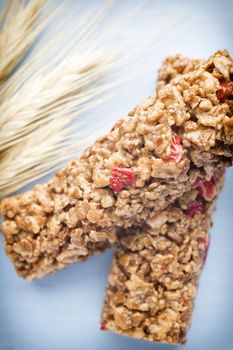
(156, 268)
(170, 144)
(155, 272)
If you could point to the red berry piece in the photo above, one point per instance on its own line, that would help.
(116, 125)
(121, 177)
(225, 91)
(164, 267)
(113, 128)
(176, 150)
(194, 208)
(207, 189)
(204, 244)
(103, 326)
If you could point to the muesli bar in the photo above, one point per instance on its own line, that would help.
(173, 140)
(155, 272)
(156, 267)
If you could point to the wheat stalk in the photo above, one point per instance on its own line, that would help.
(18, 31)
(44, 96)
(49, 91)
(70, 40)
(35, 114)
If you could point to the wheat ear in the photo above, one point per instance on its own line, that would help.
(35, 116)
(19, 27)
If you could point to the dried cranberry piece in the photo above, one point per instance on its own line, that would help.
(164, 267)
(194, 208)
(205, 243)
(121, 177)
(207, 189)
(176, 150)
(103, 326)
(116, 125)
(225, 91)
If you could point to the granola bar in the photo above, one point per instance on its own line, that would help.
(155, 272)
(173, 140)
(156, 268)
